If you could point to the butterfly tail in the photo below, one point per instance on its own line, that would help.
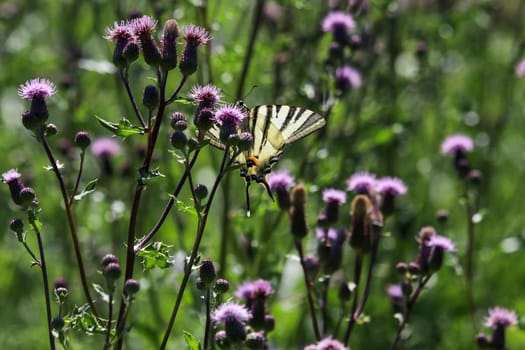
(248, 212)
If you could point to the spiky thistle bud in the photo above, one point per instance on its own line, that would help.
(169, 45)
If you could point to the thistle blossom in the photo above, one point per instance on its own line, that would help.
(441, 242)
(520, 69)
(36, 88)
(391, 185)
(120, 31)
(10, 176)
(280, 179)
(143, 25)
(196, 34)
(347, 77)
(254, 289)
(337, 21)
(327, 344)
(457, 143)
(500, 317)
(207, 95)
(105, 147)
(230, 114)
(230, 311)
(334, 195)
(361, 182)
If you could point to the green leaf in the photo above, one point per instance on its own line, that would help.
(185, 208)
(146, 176)
(90, 188)
(156, 254)
(191, 341)
(81, 319)
(123, 128)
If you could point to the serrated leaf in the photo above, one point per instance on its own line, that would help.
(81, 319)
(184, 101)
(156, 254)
(191, 341)
(183, 207)
(90, 188)
(100, 291)
(124, 128)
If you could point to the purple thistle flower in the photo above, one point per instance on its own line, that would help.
(120, 31)
(457, 143)
(207, 95)
(254, 289)
(394, 291)
(520, 69)
(230, 311)
(441, 242)
(347, 77)
(195, 34)
(332, 234)
(391, 185)
(105, 147)
(337, 21)
(361, 182)
(333, 195)
(280, 179)
(36, 88)
(327, 344)
(500, 317)
(143, 25)
(10, 176)
(230, 114)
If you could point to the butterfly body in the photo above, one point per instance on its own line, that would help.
(272, 127)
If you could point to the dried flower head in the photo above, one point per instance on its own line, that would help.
(36, 88)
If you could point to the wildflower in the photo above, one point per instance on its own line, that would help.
(432, 248)
(17, 226)
(330, 248)
(520, 69)
(207, 96)
(150, 97)
(38, 88)
(280, 182)
(105, 147)
(334, 199)
(207, 272)
(233, 316)
(12, 179)
(255, 340)
(178, 121)
(194, 37)
(142, 28)
(221, 286)
(229, 117)
(255, 293)
(179, 139)
(131, 286)
(361, 232)
(327, 344)
(500, 317)
(361, 182)
(347, 78)
(390, 188)
(457, 143)
(340, 24)
(169, 44)
(126, 47)
(397, 298)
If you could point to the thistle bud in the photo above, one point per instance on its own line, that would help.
(179, 139)
(27, 196)
(178, 121)
(298, 226)
(131, 52)
(51, 129)
(150, 97)
(82, 139)
(207, 272)
(30, 120)
(204, 119)
(112, 272)
(361, 230)
(131, 286)
(169, 45)
(108, 259)
(17, 226)
(201, 191)
(57, 323)
(39, 109)
(221, 286)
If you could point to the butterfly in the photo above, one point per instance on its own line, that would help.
(272, 127)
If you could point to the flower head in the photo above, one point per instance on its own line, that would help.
(331, 234)
(207, 95)
(327, 344)
(280, 179)
(230, 114)
(143, 25)
(254, 289)
(230, 311)
(10, 176)
(195, 34)
(457, 143)
(520, 69)
(441, 242)
(333, 195)
(36, 88)
(391, 185)
(347, 77)
(361, 182)
(120, 31)
(336, 21)
(105, 146)
(394, 291)
(500, 317)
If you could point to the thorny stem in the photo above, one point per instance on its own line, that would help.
(107, 342)
(71, 222)
(77, 181)
(200, 233)
(43, 268)
(408, 309)
(124, 77)
(315, 324)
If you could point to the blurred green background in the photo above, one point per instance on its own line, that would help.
(464, 82)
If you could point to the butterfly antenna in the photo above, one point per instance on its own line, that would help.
(248, 213)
